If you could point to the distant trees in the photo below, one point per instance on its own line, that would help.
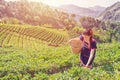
(113, 30)
(89, 22)
(10, 21)
(108, 31)
(35, 13)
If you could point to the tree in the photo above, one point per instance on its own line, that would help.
(113, 30)
(73, 15)
(89, 22)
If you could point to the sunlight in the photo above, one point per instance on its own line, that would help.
(81, 3)
(51, 3)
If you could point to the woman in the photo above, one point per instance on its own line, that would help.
(88, 49)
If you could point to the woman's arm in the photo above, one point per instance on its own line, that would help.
(90, 58)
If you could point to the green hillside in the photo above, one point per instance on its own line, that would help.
(30, 36)
(111, 13)
(33, 13)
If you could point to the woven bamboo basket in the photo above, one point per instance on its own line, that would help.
(76, 45)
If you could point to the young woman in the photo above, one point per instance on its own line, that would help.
(88, 49)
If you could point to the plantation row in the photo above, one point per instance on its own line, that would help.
(23, 36)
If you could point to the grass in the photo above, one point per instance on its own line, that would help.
(58, 63)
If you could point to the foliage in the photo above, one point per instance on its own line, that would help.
(89, 22)
(110, 30)
(35, 13)
(75, 32)
(50, 63)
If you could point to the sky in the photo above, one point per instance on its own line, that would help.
(81, 3)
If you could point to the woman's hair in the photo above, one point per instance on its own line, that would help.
(89, 32)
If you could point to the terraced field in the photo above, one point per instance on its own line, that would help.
(29, 36)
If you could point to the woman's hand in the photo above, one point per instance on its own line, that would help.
(90, 58)
(88, 66)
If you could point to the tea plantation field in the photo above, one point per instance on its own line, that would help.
(36, 53)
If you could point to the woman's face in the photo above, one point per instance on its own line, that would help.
(86, 37)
